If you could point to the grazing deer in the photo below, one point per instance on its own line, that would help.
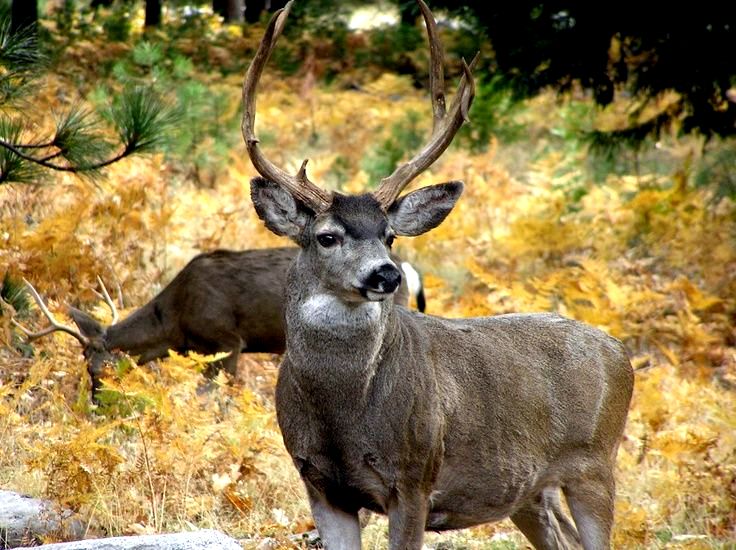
(220, 301)
(438, 423)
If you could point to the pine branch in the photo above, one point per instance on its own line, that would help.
(52, 156)
(80, 144)
(20, 60)
(19, 51)
(33, 145)
(140, 117)
(12, 166)
(65, 168)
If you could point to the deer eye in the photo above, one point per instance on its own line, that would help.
(390, 240)
(327, 240)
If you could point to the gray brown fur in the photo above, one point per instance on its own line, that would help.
(438, 423)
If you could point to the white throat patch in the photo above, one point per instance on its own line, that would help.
(326, 310)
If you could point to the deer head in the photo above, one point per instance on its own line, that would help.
(92, 335)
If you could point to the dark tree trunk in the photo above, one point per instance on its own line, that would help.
(253, 10)
(153, 13)
(220, 8)
(273, 5)
(230, 10)
(409, 11)
(23, 13)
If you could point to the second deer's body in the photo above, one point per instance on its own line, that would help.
(223, 300)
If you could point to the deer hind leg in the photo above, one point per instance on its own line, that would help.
(590, 500)
(545, 524)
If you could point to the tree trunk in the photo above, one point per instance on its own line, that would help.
(253, 9)
(230, 10)
(409, 11)
(153, 13)
(220, 8)
(23, 13)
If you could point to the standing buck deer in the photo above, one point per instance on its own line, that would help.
(438, 423)
(220, 301)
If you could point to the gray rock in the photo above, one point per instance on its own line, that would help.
(206, 539)
(23, 519)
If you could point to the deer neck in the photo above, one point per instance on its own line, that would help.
(329, 340)
(142, 330)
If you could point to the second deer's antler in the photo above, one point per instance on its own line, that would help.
(105, 295)
(55, 325)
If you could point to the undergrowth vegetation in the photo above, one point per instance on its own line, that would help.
(642, 245)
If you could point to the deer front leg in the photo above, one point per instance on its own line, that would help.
(407, 517)
(230, 363)
(338, 529)
(227, 342)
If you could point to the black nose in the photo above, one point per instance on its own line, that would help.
(385, 278)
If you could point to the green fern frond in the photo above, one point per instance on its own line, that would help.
(13, 292)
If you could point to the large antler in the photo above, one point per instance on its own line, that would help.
(55, 325)
(299, 186)
(446, 123)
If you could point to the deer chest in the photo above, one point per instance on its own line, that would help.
(349, 480)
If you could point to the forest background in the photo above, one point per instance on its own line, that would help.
(618, 211)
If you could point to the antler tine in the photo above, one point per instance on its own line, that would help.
(55, 325)
(299, 186)
(436, 66)
(463, 101)
(106, 296)
(445, 123)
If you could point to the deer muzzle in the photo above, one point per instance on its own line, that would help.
(381, 282)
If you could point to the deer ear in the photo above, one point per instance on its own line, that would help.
(280, 211)
(424, 209)
(88, 326)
